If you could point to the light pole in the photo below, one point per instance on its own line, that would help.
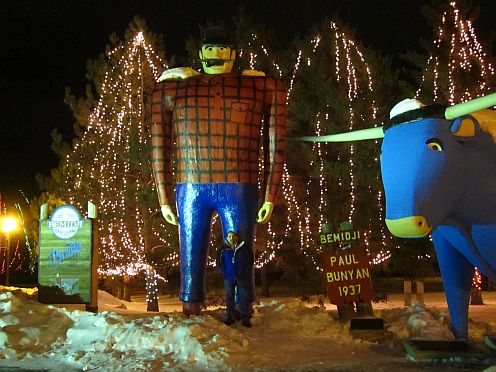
(9, 224)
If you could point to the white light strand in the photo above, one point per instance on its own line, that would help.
(466, 59)
(115, 128)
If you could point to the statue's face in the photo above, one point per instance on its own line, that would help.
(217, 59)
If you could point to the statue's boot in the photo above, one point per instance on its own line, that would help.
(191, 308)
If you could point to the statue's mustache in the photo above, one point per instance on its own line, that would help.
(215, 61)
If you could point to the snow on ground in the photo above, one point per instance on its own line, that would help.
(287, 334)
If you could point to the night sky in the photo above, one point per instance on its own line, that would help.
(45, 45)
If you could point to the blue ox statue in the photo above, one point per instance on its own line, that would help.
(438, 167)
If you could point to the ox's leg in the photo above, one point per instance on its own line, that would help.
(457, 274)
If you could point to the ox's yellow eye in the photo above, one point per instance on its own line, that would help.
(435, 144)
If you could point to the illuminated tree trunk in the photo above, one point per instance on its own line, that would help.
(126, 281)
(476, 297)
(263, 281)
(476, 291)
(151, 290)
(150, 272)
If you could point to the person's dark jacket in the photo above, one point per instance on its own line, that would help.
(235, 263)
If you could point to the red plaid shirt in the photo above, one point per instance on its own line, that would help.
(216, 120)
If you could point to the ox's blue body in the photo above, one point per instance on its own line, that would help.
(455, 190)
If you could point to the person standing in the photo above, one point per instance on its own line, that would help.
(235, 261)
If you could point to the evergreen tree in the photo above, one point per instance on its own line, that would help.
(455, 68)
(458, 69)
(109, 162)
(334, 91)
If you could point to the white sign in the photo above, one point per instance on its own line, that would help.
(65, 222)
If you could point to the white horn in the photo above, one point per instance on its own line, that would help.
(465, 108)
(357, 135)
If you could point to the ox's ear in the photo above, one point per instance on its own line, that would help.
(465, 128)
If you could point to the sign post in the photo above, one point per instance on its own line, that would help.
(67, 260)
(347, 276)
(346, 271)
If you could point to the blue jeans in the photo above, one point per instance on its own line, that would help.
(236, 204)
(244, 297)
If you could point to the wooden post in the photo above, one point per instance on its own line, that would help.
(92, 306)
(364, 308)
(346, 311)
(263, 281)
(420, 291)
(407, 291)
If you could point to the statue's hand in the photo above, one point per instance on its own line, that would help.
(265, 212)
(168, 214)
(178, 73)
(253, 73)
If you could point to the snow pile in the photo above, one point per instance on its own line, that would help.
(110, 341)
(478, 330)
(286, 335)
(107, 299)
(307, 322)
(27, 326)
(417, 322)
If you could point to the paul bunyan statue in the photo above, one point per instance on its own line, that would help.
(214, 120)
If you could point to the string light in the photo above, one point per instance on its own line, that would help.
(109, 159)
(151, 285)
(256, 43)
(119, 246)
(299, 213)
(477, 280)
(457, 43)
(348, 59)
(468, 73)
(118, 122)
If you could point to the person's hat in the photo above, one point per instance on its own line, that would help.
(215, 35)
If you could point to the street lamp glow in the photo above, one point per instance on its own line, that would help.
(9, 224)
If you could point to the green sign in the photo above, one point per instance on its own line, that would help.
(340, 236)
(65, 257)
(345, 234)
